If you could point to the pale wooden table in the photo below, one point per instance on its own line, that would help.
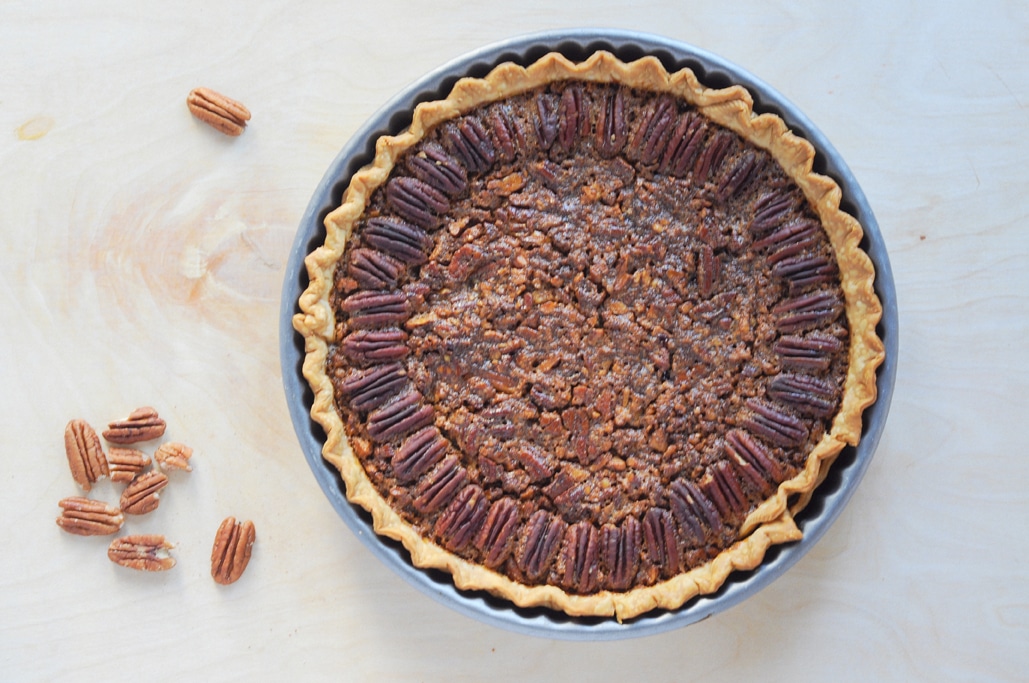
(141, 260)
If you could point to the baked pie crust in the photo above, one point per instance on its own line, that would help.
(769, 522)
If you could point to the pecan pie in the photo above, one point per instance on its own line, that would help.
(588, 335)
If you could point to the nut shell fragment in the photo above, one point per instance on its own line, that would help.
(174, 455)
(85, 454)
(231, 552)
(142, 552)
(85, 517)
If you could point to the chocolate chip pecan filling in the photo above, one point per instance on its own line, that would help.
(583, 332)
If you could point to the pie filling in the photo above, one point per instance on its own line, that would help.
(580, 333)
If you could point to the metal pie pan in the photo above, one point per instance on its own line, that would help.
(828, 500)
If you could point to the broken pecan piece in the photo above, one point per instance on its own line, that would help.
(85, 454)
(222, 113)
(142, 424)
(126, 463)
(233, 544)
(85, 517)
(142, 495)
(142, 552)
(174, 455)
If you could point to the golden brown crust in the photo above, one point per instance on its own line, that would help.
(772, 522)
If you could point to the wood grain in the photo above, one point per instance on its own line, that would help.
(142, 256)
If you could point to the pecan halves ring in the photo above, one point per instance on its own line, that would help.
(233, 544)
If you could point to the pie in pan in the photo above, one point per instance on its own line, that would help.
(588, 335)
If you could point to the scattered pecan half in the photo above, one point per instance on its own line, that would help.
(142, 424)
(142, 495)
(85, 454)
(173, 455)
(142, 552)
(218, 111)
(85, 517)
(126, 463)
(231, 552)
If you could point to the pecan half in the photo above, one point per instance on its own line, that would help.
(805, 394)
(434, 166)
(418, 454)
(662, 544)
(230, 555)
(746, 168)
(694, 512)
(611, 130)
(142, 495)
(371, 388)
(621, 553)
(373, 269)
(805, 271)
(710, 160)
(85, 454)
(405, 414)
(126, 463)
(570, 115)
(722, 487)
(579, 563)
(374, 309)
(470, 143)
(754, 460)
(772, 424)
(495, 537)
(174, 456)
(142, 552)
(222, 113)
(813, 352)
(790, 239)
(542, 540)
(770, 210)
(653, 132)
(142, 424)
(85, 517)
(442, 485)
(462, 518)
(547, 123)
(375, 346)
(416, 202)
(409, 244)
(707, 271)
(807, 311)
(685, 142)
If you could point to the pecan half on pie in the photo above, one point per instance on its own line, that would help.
(587, 335)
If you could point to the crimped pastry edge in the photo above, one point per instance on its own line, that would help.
(770, 523)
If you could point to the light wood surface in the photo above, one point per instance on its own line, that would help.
(142, 256)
